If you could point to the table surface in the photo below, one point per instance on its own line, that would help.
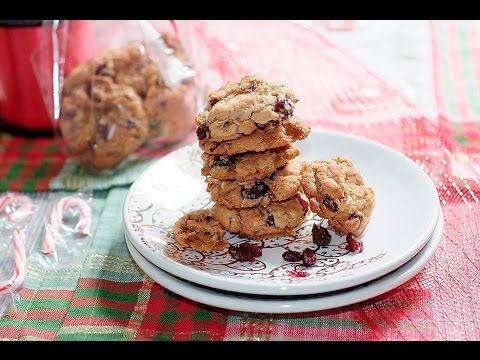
(429, 110)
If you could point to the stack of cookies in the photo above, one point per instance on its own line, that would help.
(246, 132)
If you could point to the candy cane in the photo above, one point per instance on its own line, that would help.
(19, 264)
(56, 217)
(23, 206)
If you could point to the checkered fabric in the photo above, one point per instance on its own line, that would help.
(456, 65)
(28, 164)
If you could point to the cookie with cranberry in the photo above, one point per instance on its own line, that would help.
(136, 64)
(199, 231)
(167, 87)
(292, 129)
(281, 185)
(278, 219)
(247, 85)
(168, 102)
(337, 192)
(247, 166)
(240, 108)
(129, 65)
(102, 123)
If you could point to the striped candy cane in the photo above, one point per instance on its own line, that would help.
(19, 264)
(23, 206)
(56, 217)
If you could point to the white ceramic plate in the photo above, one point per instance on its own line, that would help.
(291, 304)
(405, 215)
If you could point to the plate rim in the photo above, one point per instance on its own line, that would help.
(296, 304)
(281, 289)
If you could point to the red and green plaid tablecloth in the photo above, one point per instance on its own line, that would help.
(456, 70)
(28, 164)
(108, 297)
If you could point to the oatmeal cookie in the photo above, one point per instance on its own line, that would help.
(104, 131)
(138, 88)
(247, 166)
(249, 84)
(134, 64)
(129, 65)
(240, 108)
(337, 192)
(292, 129)
(200, 231)
(279, 218)
(281, 185)
(170, 108)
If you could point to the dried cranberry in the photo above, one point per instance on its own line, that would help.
(256, 191)
(203, 133)
(213, 101)
(215, 146)
(222, 161)
(292, 256)
(309, 258)
(102, 70)
(284, 107)
(239, 254)
(305, 205)
(245, 252)
(273, 123)
(261, 126)
(355, 216)
(273, 176)
(270, 220)
(297, 273)
(320, 235)
(329, 203)
(255, 249)
(353, 244)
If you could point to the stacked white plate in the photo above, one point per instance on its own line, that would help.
(404, 231)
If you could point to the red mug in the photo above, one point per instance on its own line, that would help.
(21, 42)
